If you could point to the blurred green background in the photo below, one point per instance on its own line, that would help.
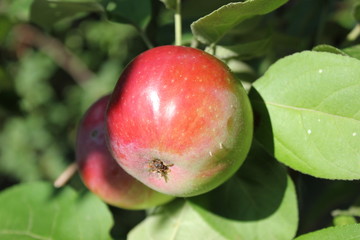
(55, 62)
(48, 78)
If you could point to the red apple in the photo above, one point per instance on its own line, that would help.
(179, 121)
(101, 173)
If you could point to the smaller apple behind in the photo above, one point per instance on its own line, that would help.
(179, 121)
(101, 173)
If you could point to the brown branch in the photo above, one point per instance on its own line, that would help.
(27, 35)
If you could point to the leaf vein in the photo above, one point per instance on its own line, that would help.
(24, 233)
(178, 221)
(333, 93)
(312, 110)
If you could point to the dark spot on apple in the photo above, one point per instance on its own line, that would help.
(158, 166)
(94, 133)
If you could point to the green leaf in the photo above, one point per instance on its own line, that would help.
(211, 28)
(353, 51)
(170, 4)
(135, 12)
(246, 50)
(259, 202)
(46, 13)
(177, 220)
(348, 232)
(199, 8)
(329, 49)
(344, 220)
(311, 121)
(38, 211)
(356, 12)
(19, 10)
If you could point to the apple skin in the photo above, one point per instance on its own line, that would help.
(179, 121)
(101, 173)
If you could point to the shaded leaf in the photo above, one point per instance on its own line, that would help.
(353, 51)
(334, 233)
(38, 211)
(211, 28)
(329, 49)
(356, 12)
(135, 12)
(19, 10)
(46, 13)
(312, 100)
(171, 4)
(259, 202)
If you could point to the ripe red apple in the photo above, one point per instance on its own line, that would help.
(101, 173)
(179, 121)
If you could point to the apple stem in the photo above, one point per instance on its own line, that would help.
(66, 175)
(177, 18)
(194, 43)
(211, 49)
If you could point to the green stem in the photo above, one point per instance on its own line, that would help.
(354, 34)
(178, 30)
(144, 38)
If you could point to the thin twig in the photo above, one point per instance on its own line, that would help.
(31, 36)
(66, 175)
(145, 38)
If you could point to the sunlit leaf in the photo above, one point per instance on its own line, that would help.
(212, 27)
(348, 232)
(38, 211)
(312, 119)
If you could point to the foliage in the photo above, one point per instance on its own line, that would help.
(299, 59)
(42, 212)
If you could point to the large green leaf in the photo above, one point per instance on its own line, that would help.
(347, 232)
(212, 27)
(135, 12)
(38, 211)
(312, 120)
(46, 13)
(259, 202)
